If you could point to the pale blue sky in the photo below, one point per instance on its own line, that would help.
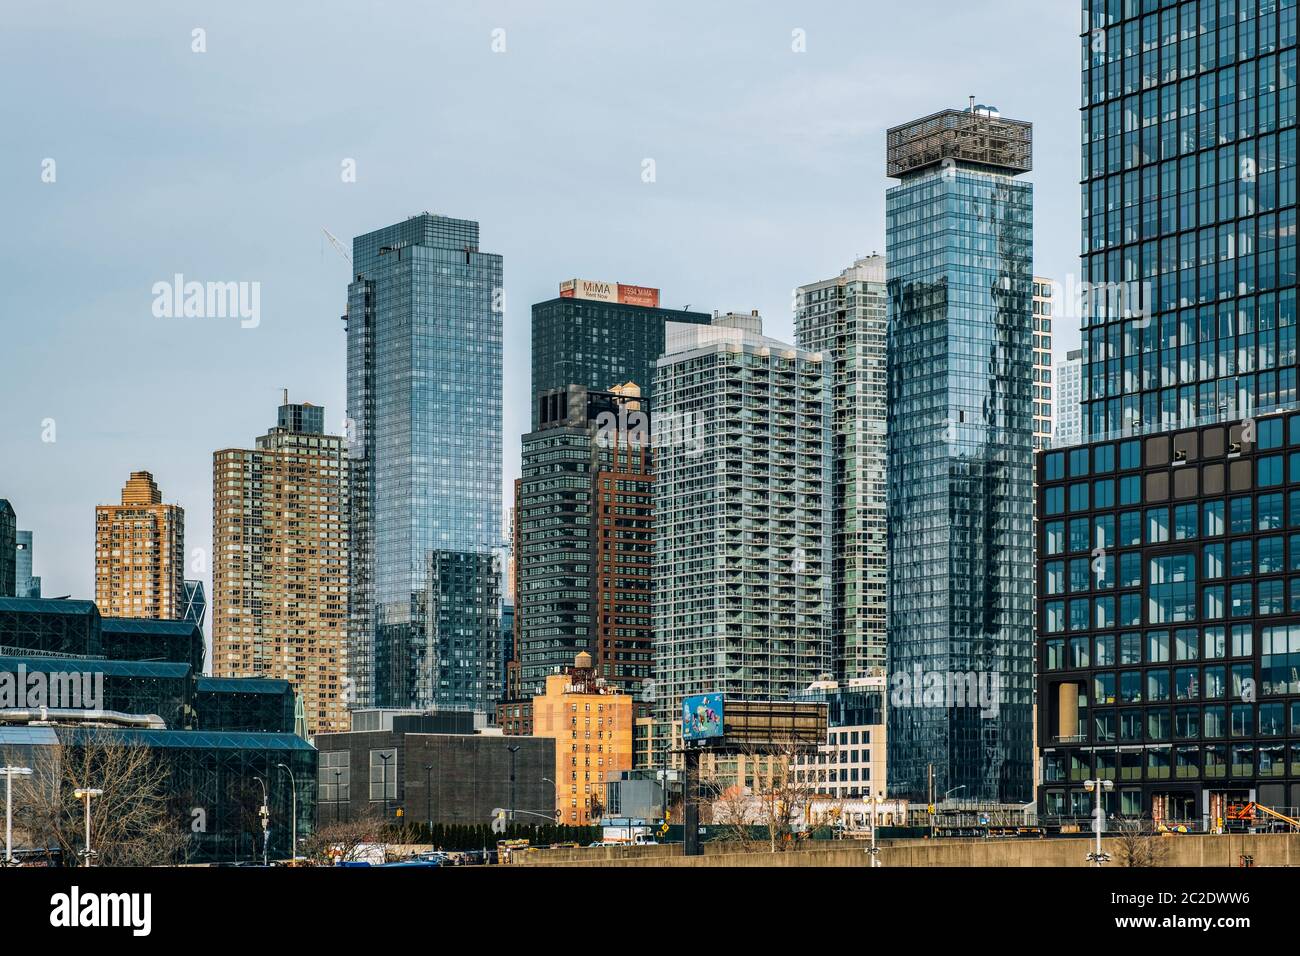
(225, 165)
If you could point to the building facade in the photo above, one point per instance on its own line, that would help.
(26, 584)
(8, 550)
(851, 764)
(140, 553)
(960, 503)
(742, 515)
(280, 566)
(591, 724)
(434, 768)
(1169, 623)
(844, 319)
(424, 327)
(213, 736)
(1069, 408)
(597, 334)
(585, 518)
(1188, 213)
(1044, 306)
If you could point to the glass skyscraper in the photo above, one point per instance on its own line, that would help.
(960, 465)
(424, 327)
(844, 319)
(1189, 211)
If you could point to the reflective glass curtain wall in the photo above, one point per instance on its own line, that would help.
(424, 406)
(1189, 211)
(960, 447)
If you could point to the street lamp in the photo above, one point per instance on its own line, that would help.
(9, 773)
(293, 811)
(1098, 787)
(875, 813)
(385, 757)
(265, 814)
(428, 797)
(85, 794)
(514, 749)
(337, 791)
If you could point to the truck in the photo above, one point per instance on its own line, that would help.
(627, 832)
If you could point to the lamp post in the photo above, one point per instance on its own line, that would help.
(428, 797)
(514, 749)
(85, 794)
(265, 814)
(9, 773)
(875, 813)
(385, 757)
(293, 811)
(1098, 787)
(337, 775)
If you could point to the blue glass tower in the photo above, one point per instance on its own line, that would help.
(1188, 200)
(424, 327)
(960, 457)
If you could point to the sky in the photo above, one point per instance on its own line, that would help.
(133, 148)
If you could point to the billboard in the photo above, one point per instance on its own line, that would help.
(702, 717)
(598, 291)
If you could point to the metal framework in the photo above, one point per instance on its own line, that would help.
(975, 137)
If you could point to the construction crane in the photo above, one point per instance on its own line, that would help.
(334, 241)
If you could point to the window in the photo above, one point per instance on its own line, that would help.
(1212, 512)
(1130, 528)
(1103, 493)
(1270, 517)
(1269, 471)
(1240, 516)
(1157, 525)
(1054, 466)
(383, 774)
(1171, 590)
(1054, 500)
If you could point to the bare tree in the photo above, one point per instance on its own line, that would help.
(131, 821)
(1139, 844)
(785, 781)
(737, 812)
(344, 841)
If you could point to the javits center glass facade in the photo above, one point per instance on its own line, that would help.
(1189, 205)
(218, 736)
(1169, 623)
(960, 465)
(424, 405)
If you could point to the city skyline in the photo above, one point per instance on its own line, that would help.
(260, 220)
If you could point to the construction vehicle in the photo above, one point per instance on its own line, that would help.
(1254, 813)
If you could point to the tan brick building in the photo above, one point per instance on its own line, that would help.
(591, 724)
(140, 554)
(280, 564)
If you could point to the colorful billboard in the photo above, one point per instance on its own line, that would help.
(702, 717)
(609, 292)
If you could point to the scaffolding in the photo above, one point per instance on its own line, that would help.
(977, 136)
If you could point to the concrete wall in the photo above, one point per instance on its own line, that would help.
(1268, 849)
